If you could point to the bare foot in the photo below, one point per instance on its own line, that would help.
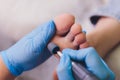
(69, 34)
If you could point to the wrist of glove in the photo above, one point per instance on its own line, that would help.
(92, 60)
(26, 53)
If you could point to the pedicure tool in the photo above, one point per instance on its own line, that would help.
(79, 72)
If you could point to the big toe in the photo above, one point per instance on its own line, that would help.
(63, 23)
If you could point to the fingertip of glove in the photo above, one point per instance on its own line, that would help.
(52, 23)
(67, 50)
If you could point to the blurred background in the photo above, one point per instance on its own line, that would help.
(18, 17)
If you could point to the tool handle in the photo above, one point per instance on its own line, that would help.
(80, 73)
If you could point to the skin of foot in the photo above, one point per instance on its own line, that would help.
(103, 38)
(70, 36)
(69, 33)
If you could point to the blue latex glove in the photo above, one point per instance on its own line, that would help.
(92, 60)
(30, 51)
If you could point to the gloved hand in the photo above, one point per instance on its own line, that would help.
(30, 51)
(92, 60)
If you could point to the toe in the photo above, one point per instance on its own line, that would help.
(63, 23)
(75, 29)
(79, 39)
(84, 45)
